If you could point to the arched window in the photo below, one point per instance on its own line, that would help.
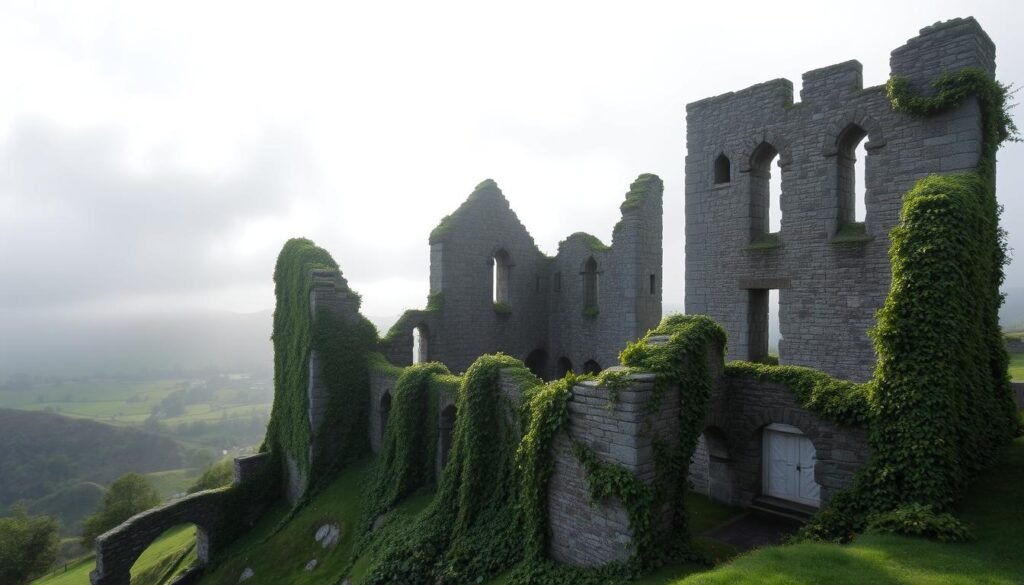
(765, 192)
(723, 172)
(850, 176)
(419, 344)
(537, 363)
(564, 367)
(444, 436)
(590, 286)
(591, 367)
(501, 277)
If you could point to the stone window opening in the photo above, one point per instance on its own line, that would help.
(501, 277)
(564, 367)
(653, 284)
(590, 285)
(420, 334)
(723, 169)
(765, 192)
(558, 282)
(537, 363)
(851, 176)
(764, 339)
(591, 367)
(537, 288)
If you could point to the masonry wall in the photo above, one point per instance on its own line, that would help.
(829, 291)
(546, 320)
(732, 470)
(590, 533)
(628, 306)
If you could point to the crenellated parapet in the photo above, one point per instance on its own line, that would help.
(830, 267)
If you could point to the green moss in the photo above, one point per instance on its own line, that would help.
(502, 308)
(852, 233)
(765, 242)
(639, 190)
(486, 188)
(591, 312)
(592, 242)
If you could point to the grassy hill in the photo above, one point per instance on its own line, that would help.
(42, 453)
(992, 510)
(69, 505)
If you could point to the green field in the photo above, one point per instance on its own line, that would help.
(173, 482)
(1017, 367)
(132, 402)
(168, 554)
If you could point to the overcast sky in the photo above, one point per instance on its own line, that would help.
(155, 156)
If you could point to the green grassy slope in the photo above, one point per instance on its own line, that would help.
(69, 505)
(169, 554)
(992, 508)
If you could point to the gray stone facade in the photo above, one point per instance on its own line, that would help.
(554, 317)
(831, 273)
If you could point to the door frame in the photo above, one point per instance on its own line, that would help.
(766, 461)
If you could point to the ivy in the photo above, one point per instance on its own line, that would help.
(839, 401)
(591, 241)
(406, 460)
(940, 404)
(680, 362)
(472, 529)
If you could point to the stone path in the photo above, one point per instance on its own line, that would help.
(753, 530)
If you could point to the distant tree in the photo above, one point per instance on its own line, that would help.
(128, 495)
(219, 474)
(28, 546)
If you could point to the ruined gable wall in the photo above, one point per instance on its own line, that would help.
(461, 270)
(627, 306)
(829, 292)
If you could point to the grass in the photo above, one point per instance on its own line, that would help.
(992, 508)
(1017, 367)
(281, 557)
(169, 553)
(278, 551)
(172, 482)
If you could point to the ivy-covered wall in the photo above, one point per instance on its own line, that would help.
(321, 378)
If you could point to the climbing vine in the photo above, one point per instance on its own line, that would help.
(839, 401)
(406, 460)
(940, 405)
(472, 529)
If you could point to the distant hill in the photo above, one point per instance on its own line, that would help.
(69, 505)
(43, 453)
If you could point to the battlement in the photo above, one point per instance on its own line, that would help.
(834, 267)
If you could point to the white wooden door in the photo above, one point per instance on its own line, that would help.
(789, 461)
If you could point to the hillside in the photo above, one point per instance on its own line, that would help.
(280, 553)
(41, 453)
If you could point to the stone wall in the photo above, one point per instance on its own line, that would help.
(590, 533)
(218, 515)
(546, 320)
(830, 283)
(727, 464)
(740, 410)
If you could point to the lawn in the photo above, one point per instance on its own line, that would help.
(168, 554)
(173, 482)
(992, 508)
